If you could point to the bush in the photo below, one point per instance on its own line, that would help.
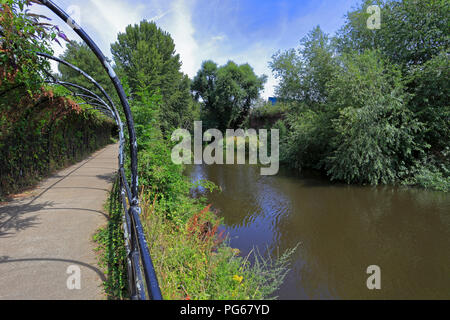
(307, 140)
(374, 144)
(375, 137)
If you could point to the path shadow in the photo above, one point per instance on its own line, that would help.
(83, 188)
(13, 214)
(80, 209)
(16, 217)
(107, 177)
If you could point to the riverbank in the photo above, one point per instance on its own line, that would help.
(342, 229)
(192, 258)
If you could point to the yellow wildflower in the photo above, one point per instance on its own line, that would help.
(238, 278)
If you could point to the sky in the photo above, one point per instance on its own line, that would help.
(244, 31)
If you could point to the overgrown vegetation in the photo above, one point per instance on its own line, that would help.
(206, 267)
(227, 93)
(43, 133)
(191, 258)
(371, 106)
(40, 130)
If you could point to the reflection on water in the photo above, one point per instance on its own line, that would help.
(342, 230)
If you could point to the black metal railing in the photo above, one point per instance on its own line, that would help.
(142, 280)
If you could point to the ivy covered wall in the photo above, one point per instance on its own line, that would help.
(42, 133)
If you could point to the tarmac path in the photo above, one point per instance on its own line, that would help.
(46, 246)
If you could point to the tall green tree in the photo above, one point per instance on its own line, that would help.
(376, 137)
(303, 75)
(304, 72)
(415, 36)
(145, 55)
(80, 55)
(411, 31)
(227, 93)
(350, 112)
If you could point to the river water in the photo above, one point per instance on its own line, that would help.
(341, 231)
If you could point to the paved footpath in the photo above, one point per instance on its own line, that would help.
(46, 239)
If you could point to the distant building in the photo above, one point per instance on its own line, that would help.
(273, 100)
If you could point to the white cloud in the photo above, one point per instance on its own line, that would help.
(101, 19)
(108, 18)
(217, 47)
(197, 41)
(219, 38)
(179, 25)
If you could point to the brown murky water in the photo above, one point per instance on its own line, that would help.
(341, 230)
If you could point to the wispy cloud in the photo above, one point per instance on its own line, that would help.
(179, 25)
(249, 31)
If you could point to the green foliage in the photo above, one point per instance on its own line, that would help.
(145, 55)
(267, 110)
(245, 280)
(374, 144)
(431, 93)
(80, 55)
(304, 73)
(375, 132)
(44, 133)
(371, 106)
(307, 140)
(431, 177)
(22, 35)
(411, 32)
(227, 93)
(39, 130)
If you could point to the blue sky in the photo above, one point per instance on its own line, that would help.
(245, 31)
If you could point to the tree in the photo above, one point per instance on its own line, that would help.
(411, 33)
(430, 102)
(146, 56)
(22, 35)
(376, 135)
(303, 75)
(304, 72)
(227, 93)
(80, 55)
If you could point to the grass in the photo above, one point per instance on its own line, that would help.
(193, 260)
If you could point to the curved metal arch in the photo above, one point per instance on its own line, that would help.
(118, 86)
(89, 95)
(103, 107)
(134, 230)
(102, 90)
(84, 74)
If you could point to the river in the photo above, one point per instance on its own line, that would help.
(341, 231)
